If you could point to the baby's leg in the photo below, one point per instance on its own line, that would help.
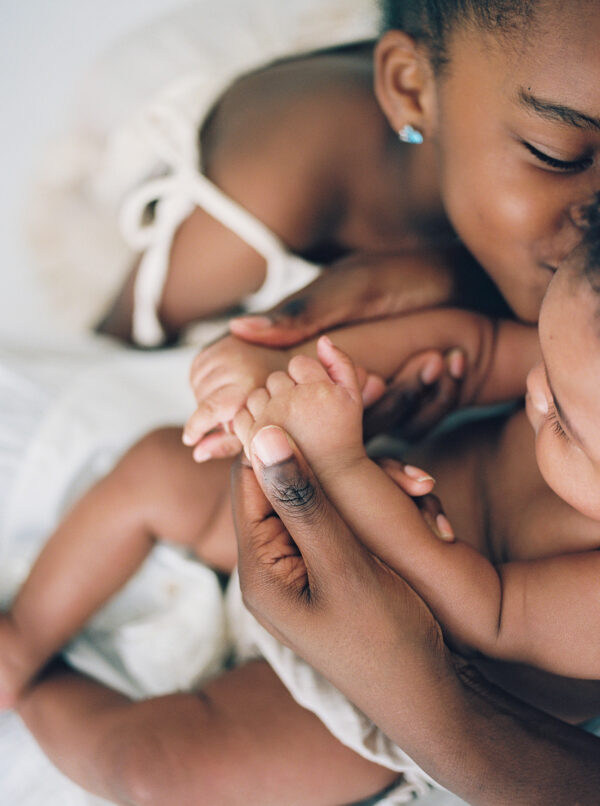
(242, 741)
(155, 491)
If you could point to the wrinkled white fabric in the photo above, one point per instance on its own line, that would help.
(175, 70)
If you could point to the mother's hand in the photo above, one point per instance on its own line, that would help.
(355, 289)
(316, 586)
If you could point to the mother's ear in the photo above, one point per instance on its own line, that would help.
(404, 82)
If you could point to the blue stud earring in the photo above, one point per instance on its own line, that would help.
(408, 134)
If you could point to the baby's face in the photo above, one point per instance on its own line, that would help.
(563, 400)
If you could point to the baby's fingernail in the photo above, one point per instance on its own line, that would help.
(252, 322)
(443, 524)
(456, 363)
(417, 474)
(271, 445)
(201, 455)
(187, 439)
(431, 371)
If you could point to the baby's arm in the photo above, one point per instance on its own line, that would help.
(155, 491)
(544, 613)
(513, 612)
(498, 356)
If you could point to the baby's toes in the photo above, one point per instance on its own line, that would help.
(304, 369)
(243, 423)
(257, 402)
(279, 383)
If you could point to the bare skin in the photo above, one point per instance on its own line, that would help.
(241, 740)
(321, 210)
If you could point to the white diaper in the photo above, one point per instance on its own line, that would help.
(66, 419)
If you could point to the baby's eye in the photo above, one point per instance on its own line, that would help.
(554, 422)
(568, 166)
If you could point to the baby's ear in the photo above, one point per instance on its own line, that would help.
(404, 82)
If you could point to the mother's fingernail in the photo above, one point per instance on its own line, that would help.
(446, 530)
(252, 322)
(431, 371)
(456, 363)
(417, 474)
(272, 445)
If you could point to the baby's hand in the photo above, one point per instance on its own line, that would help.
(319, 404)
(222, 377)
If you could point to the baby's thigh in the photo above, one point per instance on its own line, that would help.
(256, 745)
(187, 503)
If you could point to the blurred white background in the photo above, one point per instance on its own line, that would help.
(46, 46)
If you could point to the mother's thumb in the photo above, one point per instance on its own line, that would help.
(298, 499)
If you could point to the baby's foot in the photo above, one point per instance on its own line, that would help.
(318, 404)
(15, 668)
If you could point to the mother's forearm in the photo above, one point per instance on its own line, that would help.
(492, 749)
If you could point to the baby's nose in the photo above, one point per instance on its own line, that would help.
(536, 389)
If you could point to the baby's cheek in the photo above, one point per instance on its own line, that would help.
(569, 474)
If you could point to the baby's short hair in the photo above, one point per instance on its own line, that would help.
(589, 219)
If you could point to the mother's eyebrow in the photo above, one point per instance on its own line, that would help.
(557, 112)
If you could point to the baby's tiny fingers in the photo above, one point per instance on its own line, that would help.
(219, 408)
(243, 423)
(217, 445)
(340, 367)
(257, 400)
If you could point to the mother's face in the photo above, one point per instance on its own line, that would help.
(517, 138)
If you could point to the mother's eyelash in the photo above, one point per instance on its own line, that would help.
(560, 165)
